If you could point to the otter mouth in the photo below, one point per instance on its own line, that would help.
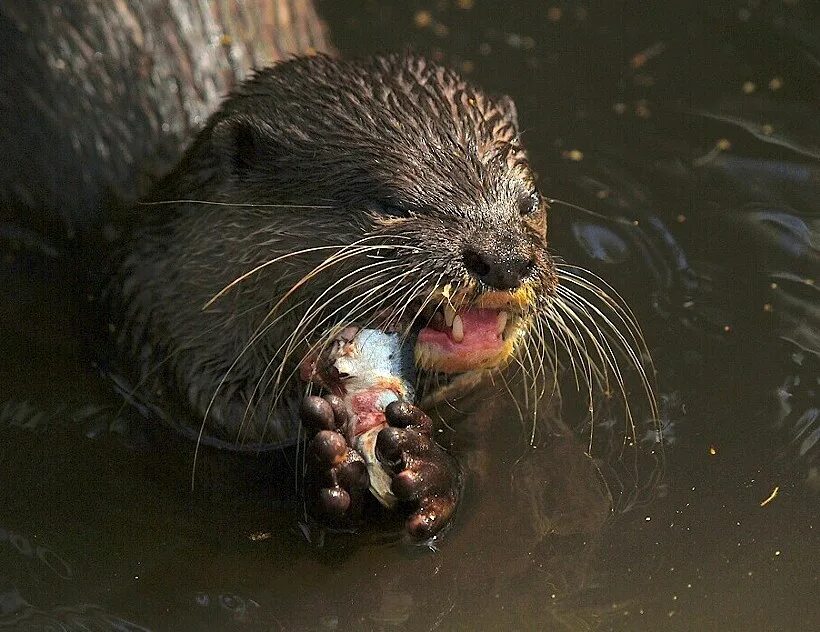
(460, 336)
(451, 333)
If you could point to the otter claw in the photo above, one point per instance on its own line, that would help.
(423, 473)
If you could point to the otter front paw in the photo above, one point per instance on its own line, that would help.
(424, 475)
(337, 475)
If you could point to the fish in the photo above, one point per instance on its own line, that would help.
(368, 369)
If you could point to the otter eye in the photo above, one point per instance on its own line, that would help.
(529, 204)
(391, 210)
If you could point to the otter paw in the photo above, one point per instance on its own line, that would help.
(423, 474)
(336, 473)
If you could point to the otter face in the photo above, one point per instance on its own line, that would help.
(450, 229)
(493, 271)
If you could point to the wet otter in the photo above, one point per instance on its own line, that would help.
(323, 192)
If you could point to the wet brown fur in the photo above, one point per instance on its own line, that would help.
(395, 153)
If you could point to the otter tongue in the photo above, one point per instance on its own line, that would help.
(480, 333)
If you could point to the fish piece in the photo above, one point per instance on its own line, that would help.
(368, 369)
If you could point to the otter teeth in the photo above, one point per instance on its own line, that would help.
(502, 322)
(458, 328)
(449, 315)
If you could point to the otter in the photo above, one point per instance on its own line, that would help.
(387, 192)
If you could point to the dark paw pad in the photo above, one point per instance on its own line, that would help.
(424, 475)
(337, 476)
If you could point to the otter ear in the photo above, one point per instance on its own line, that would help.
(507, 107)
(242, 142)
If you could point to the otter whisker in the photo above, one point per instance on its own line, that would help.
(158, 363)
(234, 204)
(399, 309)
(608, 357)
(621, 308)
(571, 342)
(317, 348)
(264, 265)
(341, 248)
(601, 340)
(294, 334)
(635, 350)
(551, 357)
(536, 340)
(353, 315)
(566, 336)
(537, 369)
(526, 389)
(263, 328)
(576, 207)
(365, 303)
(626, 317)
(257, 335)
(423, 305)
(596, 377)
(292, 340)
(631, 353)
(315, 308)
(327, 263)
(512, 396)
(563, 333)
(585, 334)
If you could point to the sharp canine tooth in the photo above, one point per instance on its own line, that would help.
(458, 329)
(449, 313)
(502, 322)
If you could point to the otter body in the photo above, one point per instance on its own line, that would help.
(386, 193)
(322, 193)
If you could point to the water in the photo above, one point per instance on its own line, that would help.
(697, 135)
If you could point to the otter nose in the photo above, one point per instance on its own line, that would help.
(499, 270)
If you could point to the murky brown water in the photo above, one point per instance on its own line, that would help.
(697, 134)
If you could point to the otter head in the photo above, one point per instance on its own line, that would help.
(389, 192)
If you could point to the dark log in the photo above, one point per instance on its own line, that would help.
(97, 97)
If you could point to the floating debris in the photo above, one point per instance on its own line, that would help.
(576, 155)
(642, 109)
(514, 40)
(423, 19)
(441, 30)
(647, 54)
(771, 496)
(775, 84)
(722, 144)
